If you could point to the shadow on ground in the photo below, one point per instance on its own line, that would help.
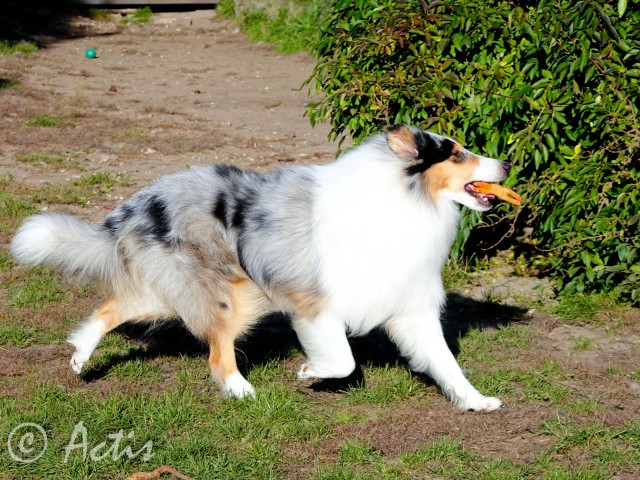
(274, 339)
(27, 19)
(47, 21)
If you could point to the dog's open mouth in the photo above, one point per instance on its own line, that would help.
(484, 192)
(483, 199)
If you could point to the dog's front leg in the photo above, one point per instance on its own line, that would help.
(325, 343)
(419, 337)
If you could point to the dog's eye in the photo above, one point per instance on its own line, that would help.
(458, 156)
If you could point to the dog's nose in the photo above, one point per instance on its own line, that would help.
(506, 166)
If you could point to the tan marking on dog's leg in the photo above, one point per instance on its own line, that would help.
(110, 315)
(229, 321)
(86, 338)
(308, 304)
(248, 303)
(224, 369)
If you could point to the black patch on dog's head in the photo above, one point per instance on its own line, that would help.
(431, 150)
(160, 224)
(219, 210)
(419, 149)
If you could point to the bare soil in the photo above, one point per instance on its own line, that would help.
(187, 89)
(181, 91)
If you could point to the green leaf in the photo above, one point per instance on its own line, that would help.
(622, 7)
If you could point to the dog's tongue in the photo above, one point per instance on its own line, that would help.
(503, 193)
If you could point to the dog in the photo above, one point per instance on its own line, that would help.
(343, 248)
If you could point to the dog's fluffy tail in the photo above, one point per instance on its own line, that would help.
(69, 245)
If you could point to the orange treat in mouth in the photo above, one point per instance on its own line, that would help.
(498, 190)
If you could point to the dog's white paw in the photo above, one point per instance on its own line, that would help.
(235, 386)
(78, 359)
(481, 404)
(306, 372)
(85, 340)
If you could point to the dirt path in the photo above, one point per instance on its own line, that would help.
(183, 90)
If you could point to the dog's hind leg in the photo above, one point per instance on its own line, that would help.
(324, 340)
(228, 321)
(105, 318)
(224, 369)
(419, 337)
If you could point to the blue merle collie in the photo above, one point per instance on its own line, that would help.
(343, 248)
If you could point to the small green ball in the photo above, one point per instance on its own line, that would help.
(90, 53)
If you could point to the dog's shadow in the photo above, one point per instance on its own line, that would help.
(274, 339)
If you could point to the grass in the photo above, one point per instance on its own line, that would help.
(290, 30)
(42, 159)
(12, 210)
(22, 200)
(204, 437)
(40, 288)
(21, 336)
(99, 14)
(47, 122)
(585, 406)
(607, 446)
(6, 262)
(583, 344)
(105, 181)
(528, 385)
(455, 274)
(23, 47)
(9, 84)
(139, 15)
(587, 308)
(386, 385)
(47, 160)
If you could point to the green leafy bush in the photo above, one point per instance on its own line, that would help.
(552, 86)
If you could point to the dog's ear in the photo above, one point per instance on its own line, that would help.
(420, 149)
(402, 141)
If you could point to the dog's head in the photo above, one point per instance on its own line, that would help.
(443, 167)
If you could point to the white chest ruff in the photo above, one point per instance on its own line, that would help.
(380, 253)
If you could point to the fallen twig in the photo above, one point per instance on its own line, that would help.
(157, 473)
